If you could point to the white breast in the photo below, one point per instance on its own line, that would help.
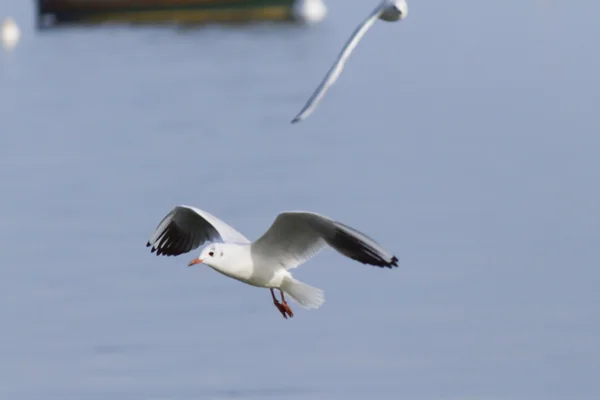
(239, 264)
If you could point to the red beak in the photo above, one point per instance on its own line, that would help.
(195, 261)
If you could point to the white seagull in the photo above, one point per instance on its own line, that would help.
(293, 238)
(387, 10)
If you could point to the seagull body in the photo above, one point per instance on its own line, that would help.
(387, 10)
(293, 238)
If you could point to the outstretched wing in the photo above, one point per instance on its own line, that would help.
(338, 66)
(295, 237)
(186, 228)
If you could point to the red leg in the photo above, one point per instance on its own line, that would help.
(285, 305)
(280, 306)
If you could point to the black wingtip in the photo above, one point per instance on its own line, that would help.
(389, 264)
(296, 119)
(148, 244)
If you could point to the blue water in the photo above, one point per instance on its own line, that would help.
(464, 139)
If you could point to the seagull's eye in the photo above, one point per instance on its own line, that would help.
(211, 254)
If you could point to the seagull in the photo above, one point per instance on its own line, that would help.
(9, 33)
(387, 10)
(292, 239)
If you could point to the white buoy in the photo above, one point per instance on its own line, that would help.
(309, 11)
(10, 33)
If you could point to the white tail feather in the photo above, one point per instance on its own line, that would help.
(303, 294)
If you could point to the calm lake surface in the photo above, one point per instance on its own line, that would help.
(465, 139)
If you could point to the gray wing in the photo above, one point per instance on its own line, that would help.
(186, 228)
(338, 66)
(296, 236)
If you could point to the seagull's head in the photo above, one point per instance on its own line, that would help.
(394, 10)
(402, 8)
(210, 255)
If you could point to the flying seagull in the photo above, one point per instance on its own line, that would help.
(387, 10)
(293, 238)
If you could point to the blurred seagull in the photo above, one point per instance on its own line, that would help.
(387, 10)
(10, 33)
(293, 238)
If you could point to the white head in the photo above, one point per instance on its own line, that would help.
(395, 10)
(9, 24)
(309, 11)
(212, 255)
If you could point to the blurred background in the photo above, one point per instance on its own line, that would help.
(465, 139)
